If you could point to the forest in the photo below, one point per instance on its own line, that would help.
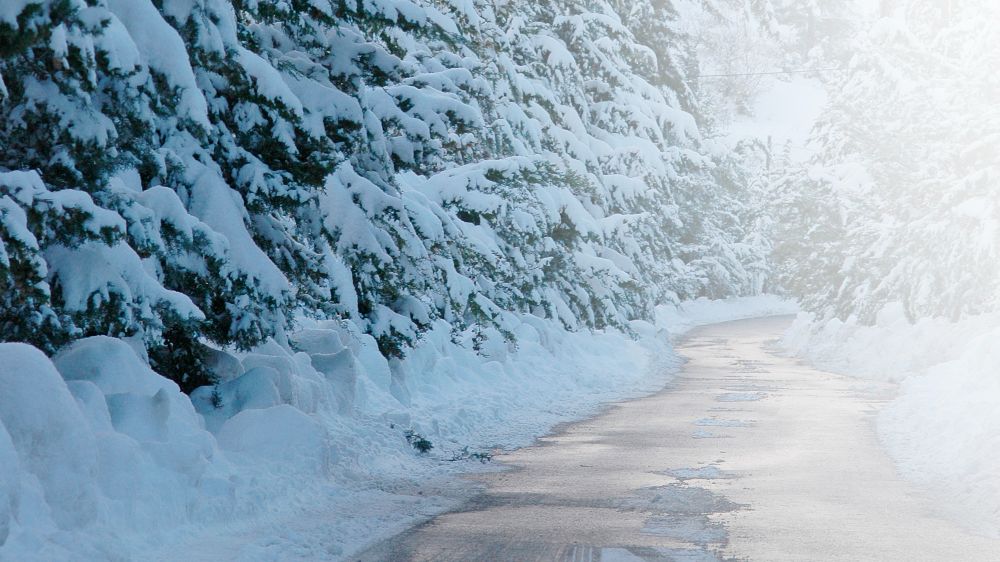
(259, 252)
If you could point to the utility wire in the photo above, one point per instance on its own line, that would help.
(803, 71)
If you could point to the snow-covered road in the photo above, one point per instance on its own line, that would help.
(748, 456)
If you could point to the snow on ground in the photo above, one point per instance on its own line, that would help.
(943, 430)
(301, 451)
(682, 318)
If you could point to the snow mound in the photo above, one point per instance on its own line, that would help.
(105, 447)
(55, 454)
(943, 429)
(101, 458)
(280, 434)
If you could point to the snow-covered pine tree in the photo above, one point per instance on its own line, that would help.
(227, 165)
(901, 193)
(64, 110)
(101, 113)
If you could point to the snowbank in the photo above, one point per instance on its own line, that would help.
(301, 450)
(943, 430)
(682, 318)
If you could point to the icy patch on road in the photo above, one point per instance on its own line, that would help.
(710, 472)
(695, 530)
(684, 555)
(682, 499)
(619, 555)
(683, 513)
(741, 396)
(641, 554)
(705, 434)
(714, 422)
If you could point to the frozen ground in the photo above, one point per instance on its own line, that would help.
(300, 453)
(803, 478)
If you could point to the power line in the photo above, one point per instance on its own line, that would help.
(802, 71)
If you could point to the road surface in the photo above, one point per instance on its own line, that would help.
(747, 456)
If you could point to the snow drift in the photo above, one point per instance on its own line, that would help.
(101, 458)
(943, 430)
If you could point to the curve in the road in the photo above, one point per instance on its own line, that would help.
(749, 455)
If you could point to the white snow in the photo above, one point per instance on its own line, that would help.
(163, 50)
(268, 81)
(56, 455)
(93, 272)
(306, 455)
(10, 9)
(223, 209)
(689, 314)
(943, 429)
